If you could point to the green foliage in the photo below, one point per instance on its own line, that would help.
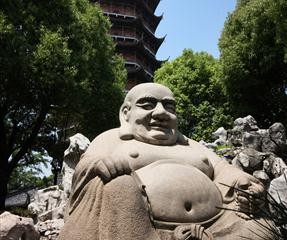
(194, 79)
(23, 177)
(253, 49)
(58, 70)
(23, 212)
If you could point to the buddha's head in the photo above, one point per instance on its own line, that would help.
(148, 115)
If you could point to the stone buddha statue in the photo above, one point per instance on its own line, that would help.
(146, 180)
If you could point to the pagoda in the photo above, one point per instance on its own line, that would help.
(133, 28)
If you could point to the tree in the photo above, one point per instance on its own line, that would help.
(194, 79)
(253, 48)
(57, 69)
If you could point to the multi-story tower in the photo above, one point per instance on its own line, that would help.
(133, 28)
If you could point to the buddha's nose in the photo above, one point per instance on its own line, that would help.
(160, 112)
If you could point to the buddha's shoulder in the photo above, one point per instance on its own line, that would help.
(108, 137)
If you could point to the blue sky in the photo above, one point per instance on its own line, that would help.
(194, 24)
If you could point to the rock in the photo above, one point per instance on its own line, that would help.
(78, 145)
(246, 124)
(249, 160)
(278, 190)
(241, 125)
(56, 213)
(221, 136)
(50, 229)
(235, 137)
(273, 165)
(252, 140)
(275, 140)
(46, 200)
(15, 227)
(262, 176)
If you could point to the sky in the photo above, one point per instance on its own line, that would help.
(192, 24)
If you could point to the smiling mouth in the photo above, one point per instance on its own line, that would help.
(158, 126)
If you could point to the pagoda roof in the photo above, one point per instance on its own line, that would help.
(139, 73)
(139, 45)
(152, 4)
(151, 26)
(138, 22)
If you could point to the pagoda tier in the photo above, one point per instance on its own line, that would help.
(133, 27)
(131, 8)
(152, 4)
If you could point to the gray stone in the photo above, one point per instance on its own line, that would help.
(247, 124)
(249, 160)
(273, 165)
(278, 190)
(50, 229)
(78, 145)
(275, 140)
(252, 140)
(147, 164)
(13, 227)
(221, 136)
(46, 201)
(262, 176)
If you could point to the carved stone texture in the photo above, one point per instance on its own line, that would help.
(16, 227)
(78, 145)
(145, 180)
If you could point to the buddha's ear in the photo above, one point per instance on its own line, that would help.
(125, 112)
(125, 128)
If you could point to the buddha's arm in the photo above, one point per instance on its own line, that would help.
(228, 178)
(93, 162)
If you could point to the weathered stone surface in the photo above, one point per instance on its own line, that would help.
(241, 125)
(249, 160)
(13, 227)
(275, 140)
(221, 136)
(252, 140)
(273, 165)
(78, 145)
(46, 200)
(50, 229)
(109, 202)
(262, 176)
(246, 124)
(278, 190)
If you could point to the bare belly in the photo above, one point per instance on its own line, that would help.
(179, 193)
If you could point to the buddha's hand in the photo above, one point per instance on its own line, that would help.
(192, 232)
(111, 167)
(249, 194)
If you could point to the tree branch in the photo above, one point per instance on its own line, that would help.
(29, 141)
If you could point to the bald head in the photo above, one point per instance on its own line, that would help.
(148, 115)
(148, 89)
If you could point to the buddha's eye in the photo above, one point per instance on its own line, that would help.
(146, 105)
(170, 107)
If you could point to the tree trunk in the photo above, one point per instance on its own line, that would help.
(3, 188)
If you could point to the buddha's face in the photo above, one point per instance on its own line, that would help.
(152, 116)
